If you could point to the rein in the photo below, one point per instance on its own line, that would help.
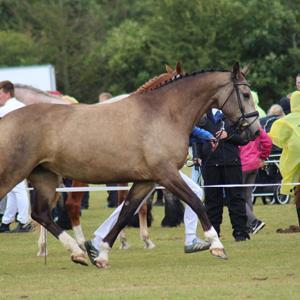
(242, 122)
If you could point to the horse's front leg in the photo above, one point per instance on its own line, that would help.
(179, 184)
(139, 192)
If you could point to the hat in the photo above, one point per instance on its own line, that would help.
(284, 102)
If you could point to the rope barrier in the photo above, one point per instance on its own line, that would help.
(126, 188)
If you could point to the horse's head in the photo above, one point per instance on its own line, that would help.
(235, 100)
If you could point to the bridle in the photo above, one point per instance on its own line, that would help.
(242, 123)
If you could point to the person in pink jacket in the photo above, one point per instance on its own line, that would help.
(252, 157)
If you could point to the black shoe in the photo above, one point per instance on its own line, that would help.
(257, 226)
(22, 228)
(4, 228)
(241, 236)
(91, 251)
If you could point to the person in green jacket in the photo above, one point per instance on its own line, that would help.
(285, 133)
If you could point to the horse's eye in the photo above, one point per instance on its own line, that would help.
(246, 95)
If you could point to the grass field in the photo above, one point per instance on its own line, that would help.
(267, 267)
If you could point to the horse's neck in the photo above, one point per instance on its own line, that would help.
(193, 97)
(153, 83)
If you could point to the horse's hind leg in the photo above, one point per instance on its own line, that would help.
(144, 234)
(45, 183)
(139, 192)
(121, 198)
(144, 227)
(177, 183)
(42, 242)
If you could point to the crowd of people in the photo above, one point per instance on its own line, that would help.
(221, 157)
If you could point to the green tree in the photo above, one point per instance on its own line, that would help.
(17, 49)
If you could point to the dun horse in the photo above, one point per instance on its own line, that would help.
(146, 143)
(29, 95)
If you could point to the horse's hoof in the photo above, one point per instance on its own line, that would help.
(102, 264)
(82, 247)
(149, 244)
(124, 246)
(79, 259)
(42, 251)
(219, 252)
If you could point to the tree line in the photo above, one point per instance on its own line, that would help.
(117, 45)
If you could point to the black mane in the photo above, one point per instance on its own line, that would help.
(179, 77)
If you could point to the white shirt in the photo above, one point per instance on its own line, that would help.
(10, 105)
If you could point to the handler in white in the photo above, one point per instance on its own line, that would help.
(17, 198)
(192, 242)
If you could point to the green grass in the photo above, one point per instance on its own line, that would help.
(267, 267)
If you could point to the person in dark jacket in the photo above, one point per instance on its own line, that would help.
(223, 166)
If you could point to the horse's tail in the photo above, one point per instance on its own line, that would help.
(174, 210)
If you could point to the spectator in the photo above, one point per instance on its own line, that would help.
(285, 133)
(298, 82)
(256, 102)
(2, 207)
(252, 157)
(17, 198)
(223, 166)
(284, 102)
(274, 113)
(198, 136)
(192, 242)
(104, 96)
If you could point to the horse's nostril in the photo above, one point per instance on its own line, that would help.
(257, 133)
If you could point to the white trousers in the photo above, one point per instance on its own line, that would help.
(190, 217)
(2, 205)
(17, 202)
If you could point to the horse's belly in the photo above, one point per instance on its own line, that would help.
(103, 173)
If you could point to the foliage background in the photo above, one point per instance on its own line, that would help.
(116, 45)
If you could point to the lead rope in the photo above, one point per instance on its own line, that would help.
(45, 239)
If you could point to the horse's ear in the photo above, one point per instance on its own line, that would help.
(236, 71)
(169, 69)
(179, 70)
(246, 69)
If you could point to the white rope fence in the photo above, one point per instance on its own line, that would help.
(127, 188)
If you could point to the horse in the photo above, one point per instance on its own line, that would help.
(30, 95)
(146, 143)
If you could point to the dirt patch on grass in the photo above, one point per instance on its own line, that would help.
(291, 229)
